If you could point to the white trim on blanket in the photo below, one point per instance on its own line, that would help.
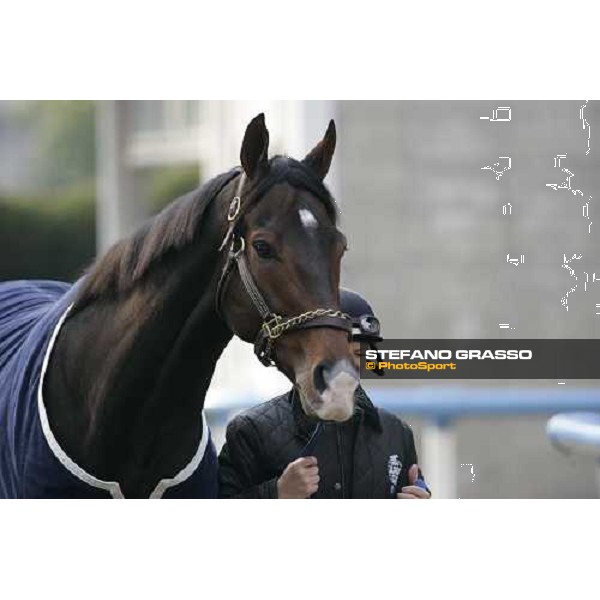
(112, 487)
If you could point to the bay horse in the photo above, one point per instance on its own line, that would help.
(102, 383)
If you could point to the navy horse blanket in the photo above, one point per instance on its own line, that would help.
(32, 463)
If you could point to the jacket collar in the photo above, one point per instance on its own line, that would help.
(364, 407)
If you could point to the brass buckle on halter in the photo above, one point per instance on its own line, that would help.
(234, 208)
(273, 327)
(232, 215)
(235, 253)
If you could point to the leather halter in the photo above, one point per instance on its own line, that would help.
(273, 325)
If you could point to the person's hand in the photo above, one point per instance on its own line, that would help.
(412, 491)
(300, 479)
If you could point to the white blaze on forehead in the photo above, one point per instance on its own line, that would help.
(308, 219)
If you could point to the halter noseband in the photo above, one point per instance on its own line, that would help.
(273, 325)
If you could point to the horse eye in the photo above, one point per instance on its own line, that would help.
(263, 249)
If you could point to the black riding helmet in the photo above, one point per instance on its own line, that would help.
(365, 325)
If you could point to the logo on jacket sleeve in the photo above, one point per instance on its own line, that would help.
(394, 467)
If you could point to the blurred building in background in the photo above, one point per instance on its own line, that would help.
(17, 146)
(137, 136)
(426, 223)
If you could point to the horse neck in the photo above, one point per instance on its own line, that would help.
(142, 367)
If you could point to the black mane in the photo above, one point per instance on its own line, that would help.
(177, 225)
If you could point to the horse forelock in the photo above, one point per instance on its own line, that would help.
(298, 175)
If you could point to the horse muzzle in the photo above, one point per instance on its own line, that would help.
(331, 395)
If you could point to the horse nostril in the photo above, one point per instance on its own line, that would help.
(319, 376)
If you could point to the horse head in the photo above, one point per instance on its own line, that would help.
(284, 294)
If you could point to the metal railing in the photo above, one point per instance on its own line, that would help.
(577, 432)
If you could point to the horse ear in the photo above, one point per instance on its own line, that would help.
(255, 147)
(319, 158)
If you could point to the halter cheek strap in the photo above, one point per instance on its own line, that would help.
(273, 325)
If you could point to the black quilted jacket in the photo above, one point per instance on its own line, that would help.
(368, 457)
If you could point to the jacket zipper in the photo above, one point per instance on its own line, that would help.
(340, 459)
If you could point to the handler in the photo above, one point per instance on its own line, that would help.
(372, 455)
